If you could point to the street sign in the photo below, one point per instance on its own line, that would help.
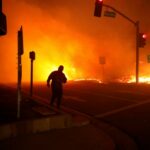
(109, 13)
(148, 58)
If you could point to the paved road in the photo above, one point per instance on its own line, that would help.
(76, 137)
(125, 106)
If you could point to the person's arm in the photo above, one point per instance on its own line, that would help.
(64, 78)
(48, 80)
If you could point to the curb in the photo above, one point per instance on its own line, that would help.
(35, 126)
(77, 119)
(121, 139)
(56, 119)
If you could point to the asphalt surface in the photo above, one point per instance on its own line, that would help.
(9, 109)
(123, 106)
(81, 137)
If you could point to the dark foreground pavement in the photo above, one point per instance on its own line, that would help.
(55, 130)
(77, 138)
(42, 127)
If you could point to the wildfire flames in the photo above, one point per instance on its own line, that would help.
(143, 79)
(60, 35)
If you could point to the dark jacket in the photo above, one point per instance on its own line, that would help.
(58, 78)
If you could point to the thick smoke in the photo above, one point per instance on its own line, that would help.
(66, 32)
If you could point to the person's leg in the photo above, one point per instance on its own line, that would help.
(53, 97)
(59, 98)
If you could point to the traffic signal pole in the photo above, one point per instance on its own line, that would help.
(137, 51)
(136, 24)
(120, 13)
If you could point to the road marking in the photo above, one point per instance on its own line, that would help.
(74, 98)
(116, 97)
(119, 98)
(121, 109)
(108, 96)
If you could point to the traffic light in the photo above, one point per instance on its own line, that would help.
(142, 40)
(3, 22)
(98, 8)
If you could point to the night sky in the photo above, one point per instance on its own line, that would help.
(66, 32)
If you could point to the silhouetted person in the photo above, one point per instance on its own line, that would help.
(58, 78)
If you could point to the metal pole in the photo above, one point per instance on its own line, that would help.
(20, 52)
(31, 81)
(0, 5)
(103, 73)
(32, 57)
(120, 13)
(137, 52)
(19, 85)
(137, 34)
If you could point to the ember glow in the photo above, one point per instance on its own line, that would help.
(144, 79)
(94, 80)
(62, 33)
(132, 79)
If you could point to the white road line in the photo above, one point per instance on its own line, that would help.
(74, 98)
(119, 98)
(121, 109)
(110, 96)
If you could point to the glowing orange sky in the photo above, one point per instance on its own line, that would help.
(69, 34)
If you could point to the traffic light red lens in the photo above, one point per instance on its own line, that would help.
(144, 36)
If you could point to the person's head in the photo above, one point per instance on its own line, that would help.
(61, 68)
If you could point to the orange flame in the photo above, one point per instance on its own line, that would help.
(62, 36)
(143, 79)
